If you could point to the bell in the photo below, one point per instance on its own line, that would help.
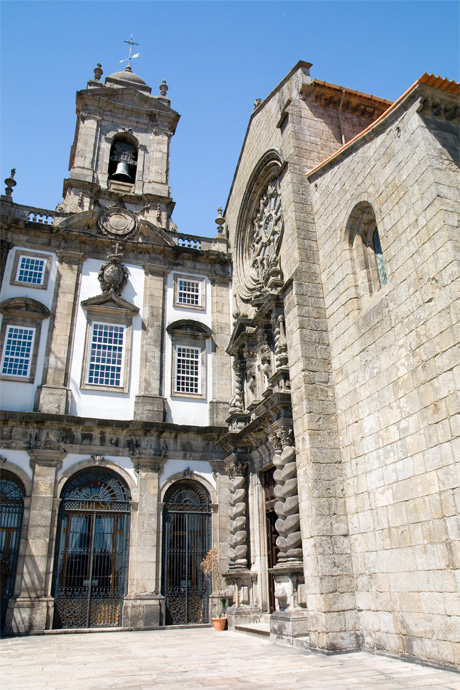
(121, 174)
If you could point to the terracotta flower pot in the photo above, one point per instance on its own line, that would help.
(219, 623)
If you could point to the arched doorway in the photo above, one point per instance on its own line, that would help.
(91, 563)
(11, 512)
(186, 540)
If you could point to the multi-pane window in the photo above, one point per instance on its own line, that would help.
(188, 292)
(17, 353)
(187, 375)
(31, 269)
(106, 355)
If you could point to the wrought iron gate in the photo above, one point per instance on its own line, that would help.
(186, 541)
(92, 552)
(11, 511)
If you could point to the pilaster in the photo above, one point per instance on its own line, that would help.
(33, 609)
(221, 374)
(143, 606)
(149, 404)
(53, 396)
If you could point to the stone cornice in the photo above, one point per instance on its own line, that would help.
(347, 100)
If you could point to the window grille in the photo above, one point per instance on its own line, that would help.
(18, 349)
(106, 356)
(188, 292)
(31, 270)
(187, 369)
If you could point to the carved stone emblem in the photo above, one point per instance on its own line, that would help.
(113, 275)
(117, 222)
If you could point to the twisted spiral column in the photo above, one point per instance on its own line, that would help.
(287, 504)
(238, 537)
(236, 403)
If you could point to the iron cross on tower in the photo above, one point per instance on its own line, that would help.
(130, 57)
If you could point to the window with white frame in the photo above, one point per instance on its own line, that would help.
(187, 370)
(20, 337)
(31, 269)
(188, 348)
(105, 366)
(17, 351)
(189, 292)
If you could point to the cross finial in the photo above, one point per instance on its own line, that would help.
(130, 57)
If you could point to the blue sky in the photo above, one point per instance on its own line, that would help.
(217, 57)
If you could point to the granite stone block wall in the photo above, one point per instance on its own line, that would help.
(395, 363)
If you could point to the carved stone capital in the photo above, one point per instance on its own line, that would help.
(235, 466)
(68, 257)
(149, 463)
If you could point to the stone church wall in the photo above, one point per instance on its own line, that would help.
(396, 374)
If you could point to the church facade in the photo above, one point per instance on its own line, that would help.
(287, 392)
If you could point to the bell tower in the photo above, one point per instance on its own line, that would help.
(120, 153)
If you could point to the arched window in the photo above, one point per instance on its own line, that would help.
(123, 160)
(91, 564)
(367, 255)
(11, 511)
(186, 541)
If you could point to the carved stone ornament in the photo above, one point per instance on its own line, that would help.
(113, 275)
(117, 222)
(262, 266)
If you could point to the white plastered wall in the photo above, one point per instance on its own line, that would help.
(182, 410)
(19, 396)
(20, 458)
(106, 404)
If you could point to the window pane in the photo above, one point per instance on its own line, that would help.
(31, 270)
(106, 356)
(188, 292)
(17, 353)
(379, 259)
(187, 369)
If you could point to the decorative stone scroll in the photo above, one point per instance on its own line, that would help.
(287, 504)
(238, 537)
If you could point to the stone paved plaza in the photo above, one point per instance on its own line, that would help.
(198, 658)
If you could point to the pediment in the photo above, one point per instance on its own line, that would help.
(149, 232)
(110, 303)
(189, 327)
(24, 306)
(241, 332)
(78, 222)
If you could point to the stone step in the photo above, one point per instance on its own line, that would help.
(262, 629)
(82, 631)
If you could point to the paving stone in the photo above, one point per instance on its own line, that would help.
(194, 659)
